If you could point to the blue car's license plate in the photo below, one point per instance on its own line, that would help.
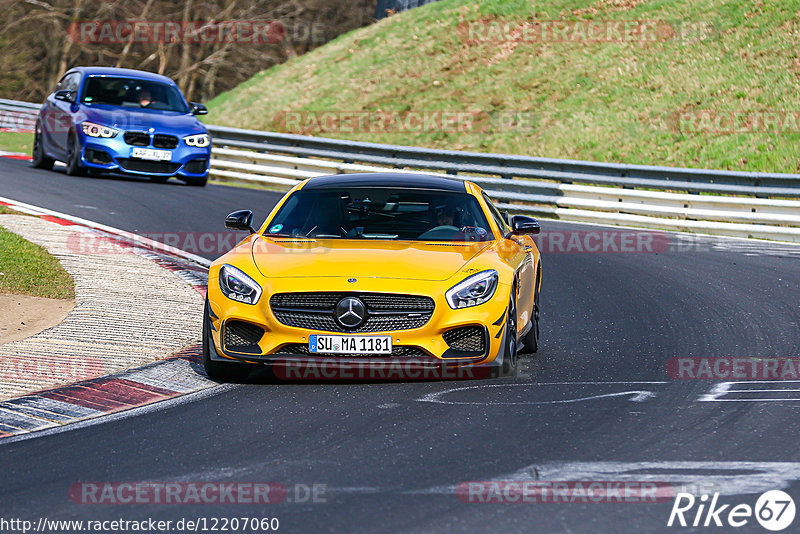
(151, 154)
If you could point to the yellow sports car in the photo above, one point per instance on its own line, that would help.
(399, 276)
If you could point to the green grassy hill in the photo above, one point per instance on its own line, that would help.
(564, 98)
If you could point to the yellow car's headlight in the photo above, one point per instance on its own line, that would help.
(473, 290)
(97, 130)
(198, 140)
(238, 286)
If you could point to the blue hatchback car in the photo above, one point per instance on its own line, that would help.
(122, 121)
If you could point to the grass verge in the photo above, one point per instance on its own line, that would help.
(16, 142)
(28, 269)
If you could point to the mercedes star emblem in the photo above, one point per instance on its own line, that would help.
(350, 312)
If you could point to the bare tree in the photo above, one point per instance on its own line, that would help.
(40, 39)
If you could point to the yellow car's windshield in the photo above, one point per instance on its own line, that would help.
(381, 213)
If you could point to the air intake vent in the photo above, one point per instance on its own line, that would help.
(242, 337)
(466, 339)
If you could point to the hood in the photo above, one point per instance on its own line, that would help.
(142, 120)
(301, 258)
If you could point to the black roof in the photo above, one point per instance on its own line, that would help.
(387, 179)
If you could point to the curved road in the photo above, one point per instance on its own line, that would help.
(596, 403)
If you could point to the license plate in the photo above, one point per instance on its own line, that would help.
(151, 154)
(350, 344)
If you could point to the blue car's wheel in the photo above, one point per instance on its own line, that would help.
(74, 167)
(39, 159)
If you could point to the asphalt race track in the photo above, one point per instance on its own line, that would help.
(596, 402)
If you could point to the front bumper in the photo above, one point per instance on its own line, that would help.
(422, 350)
(114, 155)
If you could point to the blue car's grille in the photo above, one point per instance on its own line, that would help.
(165, 141)
(137, 138)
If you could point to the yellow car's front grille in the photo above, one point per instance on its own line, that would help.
(384, 312)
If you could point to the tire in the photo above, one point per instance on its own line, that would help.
(39, 159)
(510, 355)
(531, 339)
(74, 157)
(220, 371)
(196, 182)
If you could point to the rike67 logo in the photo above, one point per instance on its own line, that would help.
(774, 510)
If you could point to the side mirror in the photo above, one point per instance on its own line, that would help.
(522, 224)
(240, 220)
(65, 96)
(198, 109)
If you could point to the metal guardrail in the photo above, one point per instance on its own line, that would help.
(15, 115)
(738, 216)
(742, 204)
(510, 166)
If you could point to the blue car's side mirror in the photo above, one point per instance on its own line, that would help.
(65, 96)
(199, 109)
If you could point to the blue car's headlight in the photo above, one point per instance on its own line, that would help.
(473, 290)
(238, 286)
(198, 140)
(98, 130)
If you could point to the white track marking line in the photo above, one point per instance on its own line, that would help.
(718, 391)
(636, 395)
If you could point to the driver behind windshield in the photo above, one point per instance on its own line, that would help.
(145, 98)
(445, 215)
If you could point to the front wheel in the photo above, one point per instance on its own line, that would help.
(74, 167)
(221, 371)
(510, 338)
(531, 339)
(39, 159)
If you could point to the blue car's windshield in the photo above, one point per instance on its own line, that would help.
(132, 93)
(381, 213)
